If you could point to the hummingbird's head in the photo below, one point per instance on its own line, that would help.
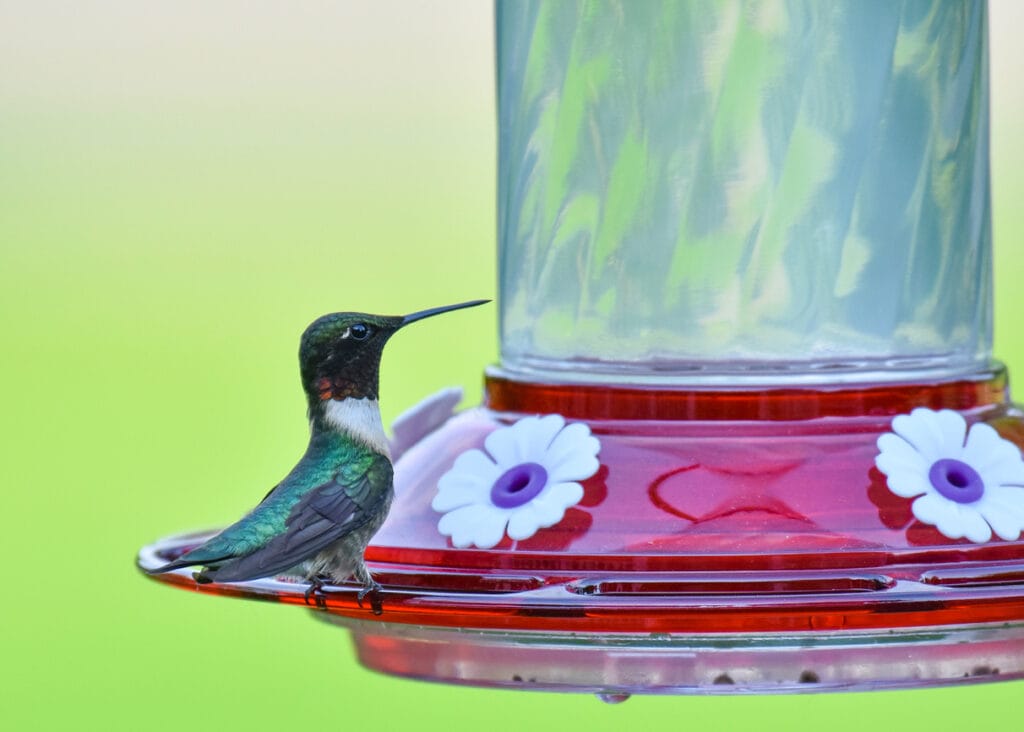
(339, 355)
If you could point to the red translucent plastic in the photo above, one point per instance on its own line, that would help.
(754, 489)
(631, 402)
(748, 515)
(751, 521)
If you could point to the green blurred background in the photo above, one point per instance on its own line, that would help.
(183, 187)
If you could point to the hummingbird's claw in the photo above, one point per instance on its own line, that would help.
(316, 591)
(376, 601)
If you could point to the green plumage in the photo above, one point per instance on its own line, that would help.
(335, 466)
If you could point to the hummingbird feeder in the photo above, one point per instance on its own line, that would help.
(746, 434)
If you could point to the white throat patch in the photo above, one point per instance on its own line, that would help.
(359, 418)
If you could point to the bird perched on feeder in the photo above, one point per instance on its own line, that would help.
(318, 520)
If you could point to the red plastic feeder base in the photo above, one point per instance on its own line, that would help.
(732, 541)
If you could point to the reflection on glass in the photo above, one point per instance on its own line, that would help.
(744, 191)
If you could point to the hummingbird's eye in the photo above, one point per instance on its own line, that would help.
(359, 331)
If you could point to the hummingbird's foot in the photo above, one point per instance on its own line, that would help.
(376, 600)
(316, 591)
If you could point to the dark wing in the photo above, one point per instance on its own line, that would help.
(321, 517)
(219, 549)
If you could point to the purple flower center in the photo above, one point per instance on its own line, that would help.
(956, 480)
(519, 485)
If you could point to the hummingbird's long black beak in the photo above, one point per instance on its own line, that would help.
(437, 311)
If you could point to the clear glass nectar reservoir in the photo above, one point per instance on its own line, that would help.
(754, 191)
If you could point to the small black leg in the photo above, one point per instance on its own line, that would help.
(316, 591)
(376, 600)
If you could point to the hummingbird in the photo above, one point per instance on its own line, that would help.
(317, 521)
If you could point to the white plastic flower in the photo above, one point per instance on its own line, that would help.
(966, 484)
(524, 482)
